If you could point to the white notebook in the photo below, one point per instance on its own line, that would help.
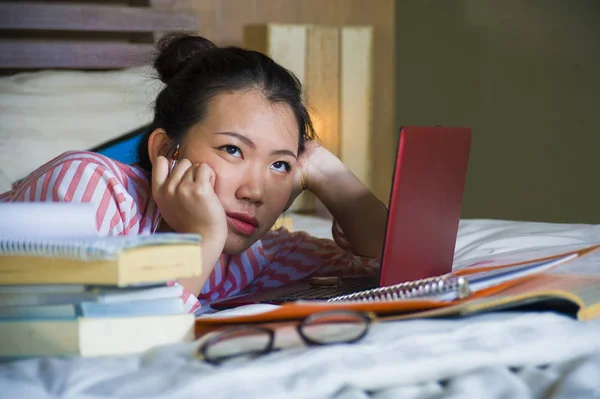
(47, 219)
(86, 248)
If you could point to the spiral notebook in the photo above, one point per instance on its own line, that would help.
(121, 261)
(452, 286)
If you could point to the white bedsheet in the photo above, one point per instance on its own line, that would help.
(481, 237)
(497, 355)
(553, 356)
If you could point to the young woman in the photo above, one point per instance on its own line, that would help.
(230, 147)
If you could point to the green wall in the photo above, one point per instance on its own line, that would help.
(525, 75)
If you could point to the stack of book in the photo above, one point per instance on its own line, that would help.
(94, 296)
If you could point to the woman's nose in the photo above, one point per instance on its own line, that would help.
(252, 186)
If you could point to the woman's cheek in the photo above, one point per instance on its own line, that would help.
(226, 177)
(280, 193)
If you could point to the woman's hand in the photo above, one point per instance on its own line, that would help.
(312, 164)
(187, 200)
(358, 212)
(188, 204)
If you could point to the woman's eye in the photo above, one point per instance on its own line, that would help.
(232, 150)
(281, 166)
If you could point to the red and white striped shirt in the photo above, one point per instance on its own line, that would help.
(125, 206)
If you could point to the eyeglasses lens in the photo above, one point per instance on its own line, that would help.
(334, 328)
(238, 342)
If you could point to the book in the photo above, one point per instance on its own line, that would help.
(23, 295)
(119, 261)
(148, 307)
(565, 279)
(88, 337)
(72, 301)
(576, 296)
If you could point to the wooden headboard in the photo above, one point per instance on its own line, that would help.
(86, 34)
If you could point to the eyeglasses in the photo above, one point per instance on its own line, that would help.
(323, 328)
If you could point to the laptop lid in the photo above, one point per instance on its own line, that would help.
(425, 203)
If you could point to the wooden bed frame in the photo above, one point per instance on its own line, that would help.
(84, 35)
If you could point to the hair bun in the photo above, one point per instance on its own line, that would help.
(175, 50)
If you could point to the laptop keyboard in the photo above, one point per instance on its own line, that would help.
(347, 286)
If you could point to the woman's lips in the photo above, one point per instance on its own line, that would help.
(243, 223)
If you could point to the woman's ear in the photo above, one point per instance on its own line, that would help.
(158, 143)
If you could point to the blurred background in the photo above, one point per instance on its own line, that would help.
(523, 74)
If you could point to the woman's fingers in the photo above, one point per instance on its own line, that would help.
(180, 168)
(177, 174)
(204, 174)
(201, 176)
(160, 172)
(188, 175)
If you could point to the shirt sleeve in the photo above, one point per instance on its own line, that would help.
(82, 177)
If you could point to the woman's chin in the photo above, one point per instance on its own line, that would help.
(237, 244)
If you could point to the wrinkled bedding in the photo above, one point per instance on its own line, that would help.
(494, 355)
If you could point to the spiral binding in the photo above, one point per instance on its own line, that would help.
(76, 249)
(86, 249)
(428, 287)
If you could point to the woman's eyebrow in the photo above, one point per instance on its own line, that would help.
(251, 144)
(283, 152)
(240, 137)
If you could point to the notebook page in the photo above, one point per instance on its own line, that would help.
(242, 311)
(587, 265)
(483, 280)
(518, 256)
(47, 219)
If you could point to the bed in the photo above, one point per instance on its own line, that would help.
(45, 111)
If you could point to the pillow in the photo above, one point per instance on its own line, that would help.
(43, 114)
(123, 148)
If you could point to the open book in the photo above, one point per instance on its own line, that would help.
(564, 278)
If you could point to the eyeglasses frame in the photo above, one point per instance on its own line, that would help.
(368, 317)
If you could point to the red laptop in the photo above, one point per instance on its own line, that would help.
(424, 211)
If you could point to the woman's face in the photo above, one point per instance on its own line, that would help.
(252, 145)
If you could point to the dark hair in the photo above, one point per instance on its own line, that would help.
(195, 70)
